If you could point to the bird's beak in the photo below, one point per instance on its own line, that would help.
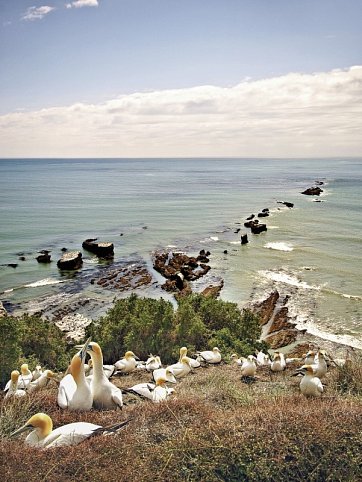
(80, 347)
(136, 358)
(20, 430)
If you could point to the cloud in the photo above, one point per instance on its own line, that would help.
(295, 115)
(82, 3)
(36, 13)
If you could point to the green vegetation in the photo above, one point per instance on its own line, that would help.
(146, 326)
(33, 340)
(348, 378)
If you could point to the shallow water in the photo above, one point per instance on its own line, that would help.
(312, 251)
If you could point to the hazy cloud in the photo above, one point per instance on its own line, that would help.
(37, 13)
(294, 115)
(82, 3)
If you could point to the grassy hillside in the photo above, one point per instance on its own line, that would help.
(215, 428)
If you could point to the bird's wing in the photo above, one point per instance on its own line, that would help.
(120, 364)
(117, 397)
(7, 386)
(67, 388)
(109, 370)
(320, 387)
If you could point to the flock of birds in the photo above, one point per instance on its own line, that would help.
(88, 385)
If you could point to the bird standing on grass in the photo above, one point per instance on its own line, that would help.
(74, 391)
(248, 368)
(310, 385)
(278, 364)
(105, 394)
(154, 392)
(43, 435)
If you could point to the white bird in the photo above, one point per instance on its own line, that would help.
(108, 370)
(13, 390)
(40, 382)
(24, 377)
(164, 373)
(248, 368)
(310, 358)
(127, 364)
(310, 385)
(193, 363)
(74, 391)
(209, 356)
(71, 434)
(320, 366)
(239, 361)
(262, 359)
(153, 363)
(181, 369)
(154, 392)
(37, 372)
(105, 394)
(278, 364)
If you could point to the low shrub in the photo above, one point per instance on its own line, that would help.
(146, 325)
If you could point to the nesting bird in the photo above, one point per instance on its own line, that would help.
(193, 363)
(213, 357)
(262, 359)
(278, 364)
(181, 368)
(43, 435)
(127, 364)
(42, 381)
(248, 368)
(36, 373)
(164, 373)
(13, 389)
(310, 385)
(154, 392)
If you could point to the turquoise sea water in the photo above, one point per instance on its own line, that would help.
(311, 252)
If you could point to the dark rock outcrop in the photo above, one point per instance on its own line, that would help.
(252, 216)
(44, 256)
(102, 250)
(244, 239)
(263, 214)
(313, 191)
(70, 261)
(179, 269)
(265, 308)
(13, 265)
(124, 278)
(286, 203)
(258, 228)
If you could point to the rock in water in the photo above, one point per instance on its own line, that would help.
(70, 261)
(103, 250)
(313, 191)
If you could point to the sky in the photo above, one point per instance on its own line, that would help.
(180, 78)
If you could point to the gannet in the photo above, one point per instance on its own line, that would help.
(108, 370)
(13, 390)
(248, 368)
(164, 373)
(193, 363)
(278, 364)
(74, 391)
(320, 364)
(212, 357)
(181, 368)
(127, 364)
(310, 385)
(25, 376)
(43, 435)
(310, 358)
(40, 382)
(37, 372)
(262, 359)
(155, 392)
(105, 394)
(239, 361)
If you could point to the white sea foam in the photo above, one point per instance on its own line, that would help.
(287, 279)
(43, 282)
(344, 295)
(171, 246)
(342, 339)
(214, 238)
(279, 246)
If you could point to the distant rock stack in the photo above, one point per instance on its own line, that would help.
(102, 250)
(70, 261)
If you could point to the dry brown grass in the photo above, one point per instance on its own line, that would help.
(216, 428)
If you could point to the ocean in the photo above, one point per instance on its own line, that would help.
(311, 252)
